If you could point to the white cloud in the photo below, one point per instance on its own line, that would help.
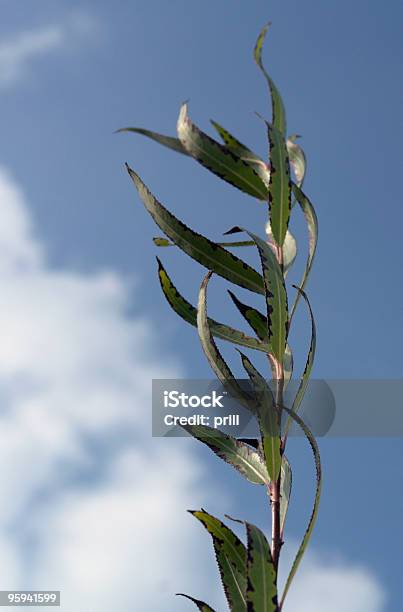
(91, 504)
(330, 584)
(17, 52)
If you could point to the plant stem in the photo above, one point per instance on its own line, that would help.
(276, 486)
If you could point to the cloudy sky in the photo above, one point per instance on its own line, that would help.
(92, 505)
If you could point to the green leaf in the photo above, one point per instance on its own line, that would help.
(261, 592)
(315, 510)
(214, 357)
(289, 248)
(231, 558)
(288, 365)
(241, 456)
(276, 296)
(189, 314)
(268, 418)
(167, 141)
(279, 186)
(312, 223)
(285, 491)
(159, 241)
(219, 159)
(308, 365)
(242, 151)
(278, 110)
(206, 252)
(234, 144)
(256, 320)
(297, 159)
(200, 604)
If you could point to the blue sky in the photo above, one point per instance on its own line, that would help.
(73, 72)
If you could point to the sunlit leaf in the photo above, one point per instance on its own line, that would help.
(312, 224)
(231, 558)
(278, 110)
(206, 252)
(219, 159)
(289, 248)
(315, 510)
(268, 418)
(238, 454)
(297, 159)
(285, 491)
(261, 592)
(203, 607)
(167, 141)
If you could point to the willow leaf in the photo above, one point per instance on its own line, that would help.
(285, 491)
(309, 362)
(160, 241)
(214, 357)
(312, 224)
(231, 558)
(256, 320)
(279, 186)
(203, 250)
(242, 151)
(268, 418)
(189, 314)
(234, 144)
(276, 296)
(289, 248)
(278, 110)
(314, 514)
(261, 592)
(297, 159)
(241, 456)
(167, 141)
(219, 159)
(203, 607)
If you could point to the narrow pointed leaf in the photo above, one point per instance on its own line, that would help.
(268, 418)
(289, 248)
(206, 252)
(312, 224)
(160, 241)
(279, 186)
(214, 357)
(242, 151)
(258, 323)
(233, 143)
(308, 365)
(189, 314)
(167, 141)
(297, 159)
(203, 607)
(261, 592)
(314, 514)
(285, 491)
(278, 110)
(219, 159)
(241, 456)
(256, 320)
(231, 558)
(276, 296)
